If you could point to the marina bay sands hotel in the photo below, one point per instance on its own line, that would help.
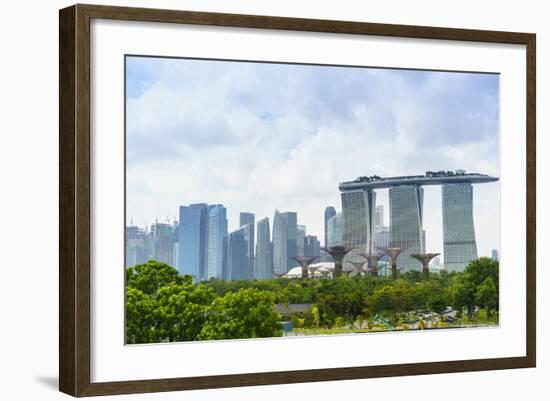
(406, 198)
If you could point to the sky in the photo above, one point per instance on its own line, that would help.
(260, 136)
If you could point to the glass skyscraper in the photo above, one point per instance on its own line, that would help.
(334, 231)
(238, 265)
(217, 231)
(163, 243)
(330, 212)
(136, 246)
(291, 221)
(244, 219)
(279, 243)
(264, 259)
(406, 203)
(459, 241)
(193, 230)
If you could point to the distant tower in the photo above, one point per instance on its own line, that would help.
(280, 253)
(495, 255)
(330, 212)
(217, 231)
(237, 255)
(193, 239)
(163, 243)
(312, 246)
(300, 239)
(264, 259)
(334, 232)
(459, 241)
(244, 219)
(406, 203)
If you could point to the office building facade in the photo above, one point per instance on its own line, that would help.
(406, 203)
(193, 230)
(246, 218)
(264, 258)
(459, 242)
(217, 231)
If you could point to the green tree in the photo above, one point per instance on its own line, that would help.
(247, 313)
(487, 296)
(151, 276)
(141, 323)
(181, 311)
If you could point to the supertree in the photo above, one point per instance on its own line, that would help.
(358, 267)
(304, 262)
(424, 258)
(393, 253)
(372, 260)
(337, 252)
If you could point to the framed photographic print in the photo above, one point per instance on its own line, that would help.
(250, 200)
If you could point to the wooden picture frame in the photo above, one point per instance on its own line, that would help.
(74, 199)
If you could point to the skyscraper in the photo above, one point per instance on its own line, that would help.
(217, 231)
(300, 239)
(279, 243)
(358, 206)
(312, 246)
(264, 258)
(379, 216)
(459, 241)
(330, 212)
(291, 221)
(406, 202)
(237, 255)
(334, 232)
(163, 243)
(136, 250)
(193, 230)
(358, 216)
(244, 219)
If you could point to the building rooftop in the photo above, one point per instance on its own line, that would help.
(429, 178)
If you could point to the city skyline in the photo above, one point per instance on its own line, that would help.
(271, 145)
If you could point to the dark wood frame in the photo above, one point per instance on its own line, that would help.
(74, 199)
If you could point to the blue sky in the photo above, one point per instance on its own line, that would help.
(260, 136)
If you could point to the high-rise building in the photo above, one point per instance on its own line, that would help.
(193, 230)
(312, 246)
(459, 241)
(136, 250)
(358, 215)
(291, 220)
(264, 259)
(495, 255)
(300, 238)
(163, 242)
(238, 262)
(382, 238)
(330, 212)
(334, 231)
(379, 216)
(244, 219)
(406, 203)
(217, 231)
(280, 243)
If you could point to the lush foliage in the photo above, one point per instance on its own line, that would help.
(164, 306)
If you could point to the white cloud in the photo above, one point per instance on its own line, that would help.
(256, 137)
